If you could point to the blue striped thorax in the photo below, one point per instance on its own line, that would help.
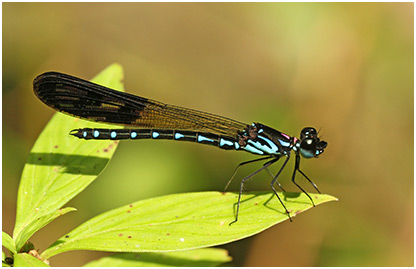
(263, 140)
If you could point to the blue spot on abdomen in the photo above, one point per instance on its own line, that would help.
(178, 135)
(155, 134)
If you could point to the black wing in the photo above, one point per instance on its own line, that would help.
(90, 101)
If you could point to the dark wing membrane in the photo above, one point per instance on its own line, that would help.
(90, 101)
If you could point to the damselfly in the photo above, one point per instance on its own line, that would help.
(156, 120)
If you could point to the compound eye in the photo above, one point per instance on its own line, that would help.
(308, 148)
(307, 132)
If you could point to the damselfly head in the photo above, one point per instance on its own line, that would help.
(310, 145)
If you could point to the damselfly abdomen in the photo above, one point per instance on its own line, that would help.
(150, 119)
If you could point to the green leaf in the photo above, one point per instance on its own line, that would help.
(41, 221)
(8, 243)
(181, 222)
(206, 257)
(26, 260)
(60, 166)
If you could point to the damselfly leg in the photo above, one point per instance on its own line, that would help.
(297, 164)
(247, 178)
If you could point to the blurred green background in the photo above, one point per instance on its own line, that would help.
(344, 68)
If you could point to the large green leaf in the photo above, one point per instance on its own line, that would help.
(60, 166)
(206, 257)
(181, 222)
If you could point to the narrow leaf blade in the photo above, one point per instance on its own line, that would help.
(8, 243)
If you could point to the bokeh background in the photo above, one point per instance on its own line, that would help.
(344, 68)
